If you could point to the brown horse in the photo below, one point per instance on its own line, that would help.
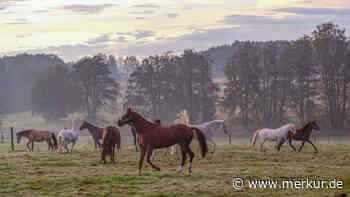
(134, 134)
(304, 134)
(154, 136)
(38, 136)
(95, 132)
(111, 137)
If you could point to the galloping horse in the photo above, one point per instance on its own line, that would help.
(280, 135)
(67, 136)
(208, 128)
(38, 136)
(95, 132)
(304, 134)
(153, 136)
(111, 137)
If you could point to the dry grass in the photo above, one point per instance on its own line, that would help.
(42, 173)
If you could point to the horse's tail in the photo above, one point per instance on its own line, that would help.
(202, 141)
(254, 137)
(54, 139)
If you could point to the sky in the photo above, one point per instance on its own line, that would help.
(73, 29)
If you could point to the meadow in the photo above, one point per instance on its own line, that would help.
(43, 173)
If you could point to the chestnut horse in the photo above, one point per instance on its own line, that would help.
(38, 136)
(110, 138)
(304, 134)
(154, 136)
(95, 132)
(134, 134)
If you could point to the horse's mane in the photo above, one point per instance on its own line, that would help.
(91, 125)
(305, 126)
(144, 119)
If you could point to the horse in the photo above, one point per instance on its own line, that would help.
(67, 136)
(134, 134)
(110, 138)
(208, 128)
(280, 135)
(38, 136)
(95, 132)
(304, 134)
(153, 136)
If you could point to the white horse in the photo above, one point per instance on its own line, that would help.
(208, 128)
(67, 136)
(281, 135)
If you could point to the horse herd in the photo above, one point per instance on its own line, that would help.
(153, 135)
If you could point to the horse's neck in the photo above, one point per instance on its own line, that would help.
(307, 128)
(142, 124)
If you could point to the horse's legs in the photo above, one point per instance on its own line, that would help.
(73, 144)
(291, 145)
(32, 145)
(149, 154)
(142, 156)
(280, 143)
(262, 144)
(134, 136)
(190, 152)
(29, 141)
(312, 145)
(166, 151)
(213, 142)
(183, 154)
(301, 146)
(112, 153)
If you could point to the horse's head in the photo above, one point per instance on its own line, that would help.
(127, 118)
(83, 126)
(314, 125)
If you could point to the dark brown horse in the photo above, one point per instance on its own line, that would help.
(38, 136)
(95, 132)
(111, 138)
(304, 134)
(154, 136)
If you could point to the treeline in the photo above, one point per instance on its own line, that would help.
(270, 83)
(162, 85)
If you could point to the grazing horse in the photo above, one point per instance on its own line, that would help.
(38, 136)
(154, 136)
(280, 135)
(111, 137)
(304, 134)
(67, 136)
(95, 132)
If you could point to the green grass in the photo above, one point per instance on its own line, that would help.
(80, 173)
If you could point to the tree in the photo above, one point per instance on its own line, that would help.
(331, 46)
(98, 88)
(54, 94)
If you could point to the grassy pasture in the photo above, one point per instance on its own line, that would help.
(42, 173)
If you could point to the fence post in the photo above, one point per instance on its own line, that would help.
(2, 136)
(12, 145)
(229, 138)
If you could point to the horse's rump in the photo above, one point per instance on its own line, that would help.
(110, 137)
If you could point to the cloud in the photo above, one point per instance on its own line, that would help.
(99, 39)
(24, 36)
(314, 11)
(86, 9)
(4, 4)
(140, 18)
(19, 21)
(121, 39)
(139, 34)
(143, 12)
(173, 15)
(146, 6)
